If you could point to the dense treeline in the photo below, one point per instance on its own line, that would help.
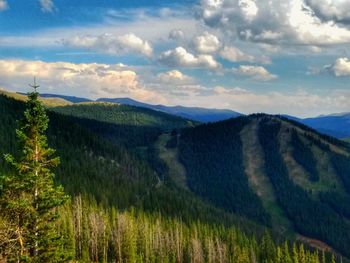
(303, 155)
(121, 134)
(134, 128)
(124, 115)
(96, 234)
(341, 164)
(309, 216)
(212, 155)
(338, 201)
(130, 126)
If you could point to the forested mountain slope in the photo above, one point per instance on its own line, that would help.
(123, 124)
(87, 231)
(125, 115)
(252, 172)
(106, 168)
(291, 177)
(192, 113)
(232, 165)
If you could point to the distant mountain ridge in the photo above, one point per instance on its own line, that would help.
(193, 113)
(335, 125)
(65, 97)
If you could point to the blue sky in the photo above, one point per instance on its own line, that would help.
(246, 55)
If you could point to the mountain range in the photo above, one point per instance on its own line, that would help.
(336, 125)
(192, 113)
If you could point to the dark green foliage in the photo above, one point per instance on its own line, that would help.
(121, 134)
(318, 142)
(29, 198)
(172, 143)
(339, 202)
(341, 165)
(152, 156)
(125, 115)
(98, 167)
(212, 155)
(129, 126)
(303, 155)
(309, 216)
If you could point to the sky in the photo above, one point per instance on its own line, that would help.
(279, 57)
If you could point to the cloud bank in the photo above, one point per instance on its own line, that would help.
(93, 80)
(294, 22)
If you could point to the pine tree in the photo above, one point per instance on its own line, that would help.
(29, 197)
(286, 253)
(323, 257)
(333, 259)
(295, 254)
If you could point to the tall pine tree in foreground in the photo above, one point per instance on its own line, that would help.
(29, 198)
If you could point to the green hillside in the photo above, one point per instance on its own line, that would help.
(124, 114)
(130, 126)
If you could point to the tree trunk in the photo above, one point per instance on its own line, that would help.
(36, 200)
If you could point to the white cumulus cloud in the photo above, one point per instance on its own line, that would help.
(298, 22)
(175, 77)
(329, 10)
(340, 68)
(206, 43)
(255, 72)
(234, 54)
(249, 9)
(111, 44)
(181, 57)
